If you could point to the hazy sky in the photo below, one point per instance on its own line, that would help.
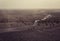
(29, 4)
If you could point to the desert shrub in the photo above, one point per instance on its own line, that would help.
(4, 20)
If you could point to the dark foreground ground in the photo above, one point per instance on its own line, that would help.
(46, 34)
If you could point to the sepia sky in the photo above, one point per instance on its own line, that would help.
(29, 4)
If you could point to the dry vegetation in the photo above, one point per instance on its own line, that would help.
(18, 18)
(23, 20)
